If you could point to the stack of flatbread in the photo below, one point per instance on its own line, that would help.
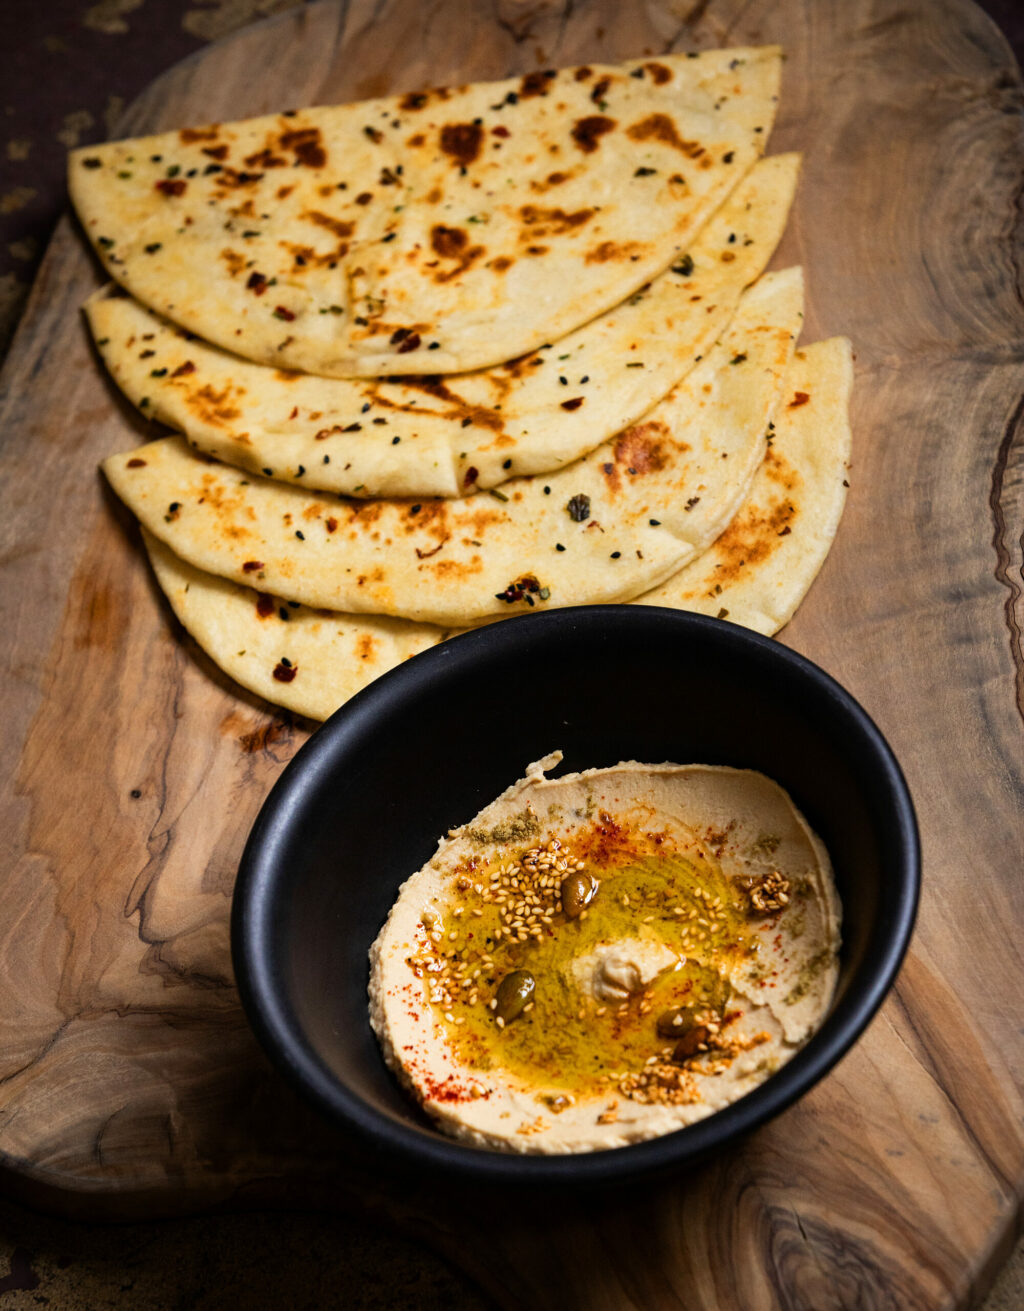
(439, 359)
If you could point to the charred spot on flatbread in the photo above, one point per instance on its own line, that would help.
(607, 251)
(449, 243)
(662, 128)
(306, 143)
(750, 539)
(641, 449)
(189, 135)
(453, 244)
(548, 222)
(536, 84)
(265, 158)
(212, 405)
(659, 72)
(462, 142)
(587, 132)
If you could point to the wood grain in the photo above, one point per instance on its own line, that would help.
(127, 1076)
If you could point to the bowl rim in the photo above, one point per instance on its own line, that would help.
(398, 1146)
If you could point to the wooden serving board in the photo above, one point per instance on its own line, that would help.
(134, 769)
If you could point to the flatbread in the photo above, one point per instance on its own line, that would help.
(321, 659)
(451, 436)
(759, 570)
(310, 661)
(606, 528)
(433, 232)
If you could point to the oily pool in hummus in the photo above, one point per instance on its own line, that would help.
(605, 957)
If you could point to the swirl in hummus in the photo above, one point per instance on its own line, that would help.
(605, 957)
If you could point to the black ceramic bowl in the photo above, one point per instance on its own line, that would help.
(362, 806)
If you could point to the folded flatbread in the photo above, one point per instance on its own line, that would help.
(311, 661)
(758, 571)
(606, 528)
(428, 233)
(451, 436)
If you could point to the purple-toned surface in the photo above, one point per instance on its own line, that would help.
(67, 70)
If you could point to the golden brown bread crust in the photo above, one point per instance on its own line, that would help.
(438, 232)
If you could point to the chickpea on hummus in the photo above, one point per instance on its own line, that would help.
(605, 957)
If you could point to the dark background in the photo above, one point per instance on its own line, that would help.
(67, 70)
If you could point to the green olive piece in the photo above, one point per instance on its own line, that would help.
(514, 994)
(691, 1043)
(577, 892)
(673, 1024)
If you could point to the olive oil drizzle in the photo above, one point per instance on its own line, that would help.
(647, 889)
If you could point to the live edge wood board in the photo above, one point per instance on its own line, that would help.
(133, 769)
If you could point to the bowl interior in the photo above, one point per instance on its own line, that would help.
(364, 803)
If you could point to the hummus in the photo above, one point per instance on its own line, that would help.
(605, 957)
